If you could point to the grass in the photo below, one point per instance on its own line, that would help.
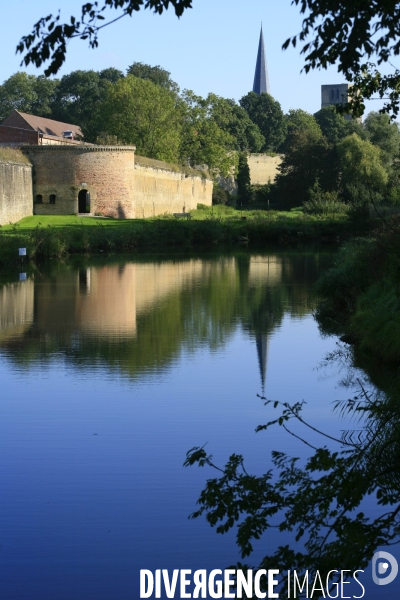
(13, 155)
(209, 229)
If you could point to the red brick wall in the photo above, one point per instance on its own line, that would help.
(16, 135)
(107, 172)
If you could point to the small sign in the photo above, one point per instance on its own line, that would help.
(22, 251)
(22, 276)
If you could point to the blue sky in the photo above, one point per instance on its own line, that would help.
(212, 48)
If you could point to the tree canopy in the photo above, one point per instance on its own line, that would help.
(156, 74)
(348, 34)
(267, 114)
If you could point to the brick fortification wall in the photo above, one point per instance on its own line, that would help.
(159, 191)
(15, 191)
(106, 172)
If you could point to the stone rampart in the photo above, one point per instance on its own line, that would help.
(159, 191)
(15, 191)
(263, 168)
(60, 173)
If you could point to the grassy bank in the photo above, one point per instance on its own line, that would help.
(55, 237)
(362, 293)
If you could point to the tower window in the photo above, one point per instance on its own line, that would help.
(38, 199)
(337, 94)
(52, 199)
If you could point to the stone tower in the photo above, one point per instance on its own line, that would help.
(261, 82)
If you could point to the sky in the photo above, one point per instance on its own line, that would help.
(211, 48)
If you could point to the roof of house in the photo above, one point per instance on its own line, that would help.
(41, 124)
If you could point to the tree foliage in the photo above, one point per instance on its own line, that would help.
(156, 74)
(27, 93)
(267, 114)
(309, 158)
(49, 37)
(204, 142)
(142, 113)
(319, 501)
(349, 34)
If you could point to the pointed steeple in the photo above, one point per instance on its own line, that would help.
(261, 82)
(262, 343)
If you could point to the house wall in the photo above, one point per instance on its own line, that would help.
(15, 192)
(16, 136)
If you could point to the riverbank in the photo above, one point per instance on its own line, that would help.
(362, 293)
(56, 237)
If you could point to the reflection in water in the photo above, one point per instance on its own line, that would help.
(110, 372)
(137, 316)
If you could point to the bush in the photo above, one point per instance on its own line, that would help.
(219, 195)
(324, 203)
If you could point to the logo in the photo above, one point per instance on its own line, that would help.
(384, 560)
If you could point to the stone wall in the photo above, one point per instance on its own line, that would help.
(106, 172)
(263, 168)
(15, 192)
(158, 191)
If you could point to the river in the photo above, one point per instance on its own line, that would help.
(110, 372)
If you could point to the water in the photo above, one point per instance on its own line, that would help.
(110, 373)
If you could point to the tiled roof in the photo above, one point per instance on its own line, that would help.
(42, 125)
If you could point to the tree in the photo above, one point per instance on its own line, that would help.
(363, 177)
(204, 142)
(308, 158)
(27, 93)
(346, 33)
(155, 74)
(266, 112)
(243, 179)
(234, 119)
(384, 134)
(78, 97)
(349, 34)
(297, 120)
(140, 112)
(49, 37)
(333, 125)
(320, 500)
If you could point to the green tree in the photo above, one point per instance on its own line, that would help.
(156, 74)
(204, 142)
(266, 112)
(243, 179)
(142, 113)
(27, 93)
(384, 134)
(308, 158)
(233, 119)
(78, 97)
(296, 120)
(363, 177)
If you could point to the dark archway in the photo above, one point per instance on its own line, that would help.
(84, 201)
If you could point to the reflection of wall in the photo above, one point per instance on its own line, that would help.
(16, 308)
(265, 269)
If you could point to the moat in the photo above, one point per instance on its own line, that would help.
(111, 371)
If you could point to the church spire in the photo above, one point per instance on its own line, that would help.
(261, 82)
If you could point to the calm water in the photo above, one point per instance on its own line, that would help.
(109, 374)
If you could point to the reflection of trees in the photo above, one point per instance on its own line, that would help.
(321, 500)
(118, 317)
